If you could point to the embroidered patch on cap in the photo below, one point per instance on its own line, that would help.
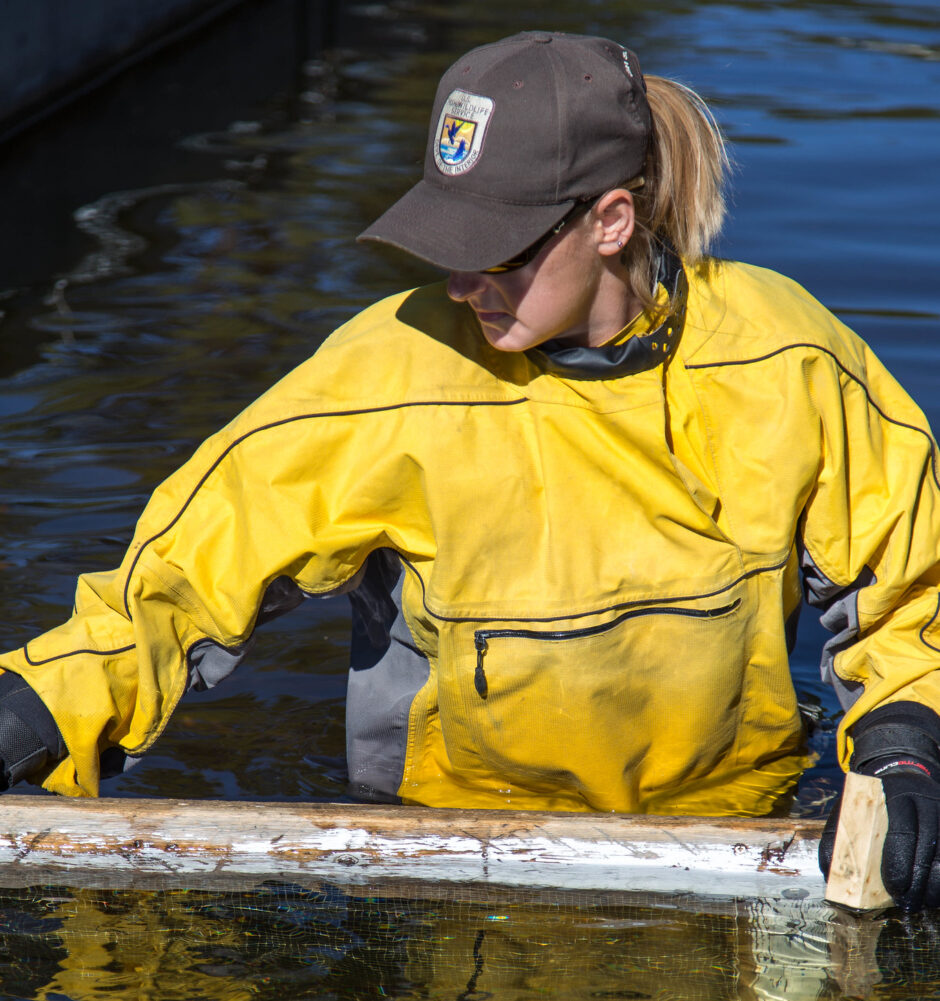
(460, 131)
(625, 53)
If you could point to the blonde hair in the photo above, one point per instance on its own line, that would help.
(682, 199)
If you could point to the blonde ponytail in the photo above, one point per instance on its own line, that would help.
(682, 199)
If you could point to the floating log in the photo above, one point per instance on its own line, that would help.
(200, 843)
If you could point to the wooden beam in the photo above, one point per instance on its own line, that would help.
(136, 842)
(855, 873)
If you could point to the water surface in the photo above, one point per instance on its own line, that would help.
(197, 292)
(172, 301)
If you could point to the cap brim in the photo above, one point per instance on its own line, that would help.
(462, 232)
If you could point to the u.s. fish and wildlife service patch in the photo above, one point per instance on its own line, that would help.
(461, 131)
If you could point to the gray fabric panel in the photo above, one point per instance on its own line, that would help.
(840, 616)
(386, 672)
(210, 662)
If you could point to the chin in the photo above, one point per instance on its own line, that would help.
(503, 340)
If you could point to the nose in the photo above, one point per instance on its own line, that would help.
(463, 284)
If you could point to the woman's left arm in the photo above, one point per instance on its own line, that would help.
(871, 560)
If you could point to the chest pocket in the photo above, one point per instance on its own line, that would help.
(612, 712)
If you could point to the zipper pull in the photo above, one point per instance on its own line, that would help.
(479, 675)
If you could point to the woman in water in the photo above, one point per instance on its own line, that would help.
(576, 493)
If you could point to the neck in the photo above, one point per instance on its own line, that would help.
(615, 307)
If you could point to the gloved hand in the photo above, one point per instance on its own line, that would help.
(900, 744)
(29, 737)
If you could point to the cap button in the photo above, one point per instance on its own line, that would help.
(541, 37)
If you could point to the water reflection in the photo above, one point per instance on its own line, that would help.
(283, 940)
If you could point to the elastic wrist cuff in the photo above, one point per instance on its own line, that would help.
(21, 751)
(912, 715)
(29, 736)
(902, 731)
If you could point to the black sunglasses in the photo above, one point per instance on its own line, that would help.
(532, 251)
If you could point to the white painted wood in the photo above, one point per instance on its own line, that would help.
(132, 842)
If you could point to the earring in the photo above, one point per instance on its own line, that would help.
(620, 243)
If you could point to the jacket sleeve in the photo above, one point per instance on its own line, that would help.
(871, 538)
(291, 489)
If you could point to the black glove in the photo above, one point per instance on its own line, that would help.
(29, 737)
(900, 744)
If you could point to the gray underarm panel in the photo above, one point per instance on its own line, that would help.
(386, 672)
(211, 662)
(840, 616)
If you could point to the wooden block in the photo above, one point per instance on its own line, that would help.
(855, 875)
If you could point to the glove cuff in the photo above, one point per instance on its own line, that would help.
(899, 737)
(29, 736)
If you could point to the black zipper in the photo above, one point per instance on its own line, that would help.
(482, 637)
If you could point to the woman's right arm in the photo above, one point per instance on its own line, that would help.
(287, 500)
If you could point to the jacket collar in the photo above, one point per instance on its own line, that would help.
(636, 354)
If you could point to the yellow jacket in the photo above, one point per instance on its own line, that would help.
(573, 593)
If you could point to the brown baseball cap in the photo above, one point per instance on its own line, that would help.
(521, 131)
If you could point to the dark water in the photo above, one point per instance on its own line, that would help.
(195, 274)
(283, 942)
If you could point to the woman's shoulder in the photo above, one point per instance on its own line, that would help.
(418, 319)
(741, 312)
(412, 340)
(415, 345)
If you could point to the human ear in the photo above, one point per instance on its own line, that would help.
(614, 218)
